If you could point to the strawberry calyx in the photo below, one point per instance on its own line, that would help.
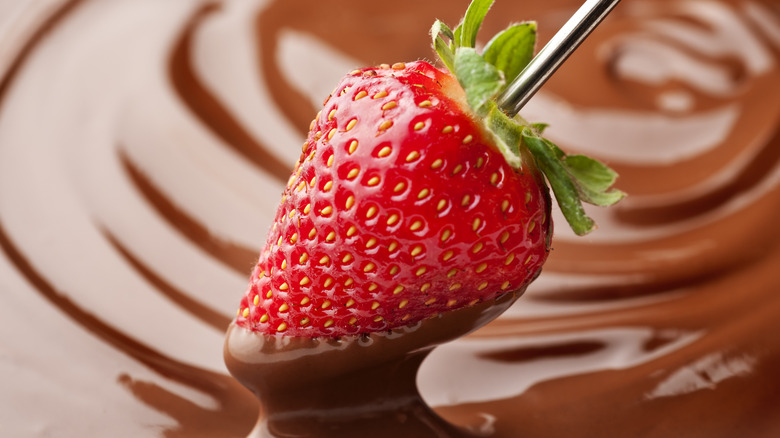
(574, 179)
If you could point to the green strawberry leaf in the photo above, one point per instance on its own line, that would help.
(466, 33)
(590, 171)
(480, 80)
(439, 27)
(566, 193)
(507, 133)
(441, 47)
(574, 179)
(593, 179)
(455, 42)
(539, 127)
(512, 49)
(602, 199)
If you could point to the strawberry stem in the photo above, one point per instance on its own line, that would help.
(574, 179)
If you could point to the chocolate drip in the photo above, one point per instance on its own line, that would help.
(352, 386)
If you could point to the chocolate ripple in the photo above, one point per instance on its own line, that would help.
(233, 255)
(119, 278)
(208, 107)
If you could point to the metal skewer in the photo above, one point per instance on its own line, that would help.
(557, 50)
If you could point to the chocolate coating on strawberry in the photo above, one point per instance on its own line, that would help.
(399, 208)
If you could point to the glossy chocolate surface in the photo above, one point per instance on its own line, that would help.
(144, 144)
(352, 386)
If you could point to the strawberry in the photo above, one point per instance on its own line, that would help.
(416, 195)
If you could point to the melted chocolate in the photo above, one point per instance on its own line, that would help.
(352, 386)
(143, 147)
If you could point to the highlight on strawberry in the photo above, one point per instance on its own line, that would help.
(416, 195)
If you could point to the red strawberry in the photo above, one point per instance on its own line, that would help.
(413, 196)
(399, 208)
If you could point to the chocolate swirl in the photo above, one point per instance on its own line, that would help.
(143, 146)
